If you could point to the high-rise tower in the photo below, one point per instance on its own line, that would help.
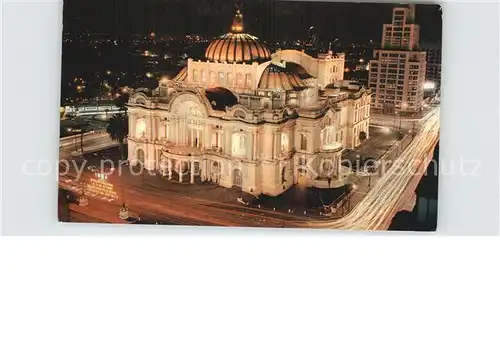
(397, 73)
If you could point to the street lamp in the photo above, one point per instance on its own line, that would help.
(83, 200)
(123, 214)
(81, 131)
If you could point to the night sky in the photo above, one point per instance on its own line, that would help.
(267, 19)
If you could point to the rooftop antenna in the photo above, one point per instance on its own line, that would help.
(333, 42)
(313, 38)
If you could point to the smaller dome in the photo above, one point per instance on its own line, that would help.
(299, 70)
(278, 77)
(182, 75)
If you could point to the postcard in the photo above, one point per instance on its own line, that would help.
(281, 114)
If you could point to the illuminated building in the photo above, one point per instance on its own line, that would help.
(397, 72)
(434, 68)
(250, 119)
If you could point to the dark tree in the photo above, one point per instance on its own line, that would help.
(362, 136)
(118, 128)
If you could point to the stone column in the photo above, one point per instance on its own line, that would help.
(202, 170)
(227, 141)
(205, 134)
(154, 131)
(276, 144)
(254, 140)
(180, 170)
(249, 146)
(339, 166)
(177, 128)
(169, 165)
(192, 172)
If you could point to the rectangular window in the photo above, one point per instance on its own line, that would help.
(284, 142)
(213, 78)
(249, 80)
(238, 143)
(303, 142)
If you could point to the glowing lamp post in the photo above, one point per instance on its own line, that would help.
(123, 214)
(81, 132)
(83, 200)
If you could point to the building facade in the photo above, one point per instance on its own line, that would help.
(246, 118)
(433, 74)
(398, 70)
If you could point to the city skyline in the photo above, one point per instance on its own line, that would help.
(347, 21)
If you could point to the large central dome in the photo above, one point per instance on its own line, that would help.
(237, 46)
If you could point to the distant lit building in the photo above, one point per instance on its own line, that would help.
(433, 74)
(397, 72)
(102, 108)
(250, 119)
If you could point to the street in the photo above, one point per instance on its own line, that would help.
(379, 204)
(92, 142)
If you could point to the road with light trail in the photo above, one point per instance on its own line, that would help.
(381, 202)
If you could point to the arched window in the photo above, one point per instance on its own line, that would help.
(195, 75)
(229, 77)
(328, 136)
(327, 168)
(221, 79)
(140, 101)
(204, 76)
